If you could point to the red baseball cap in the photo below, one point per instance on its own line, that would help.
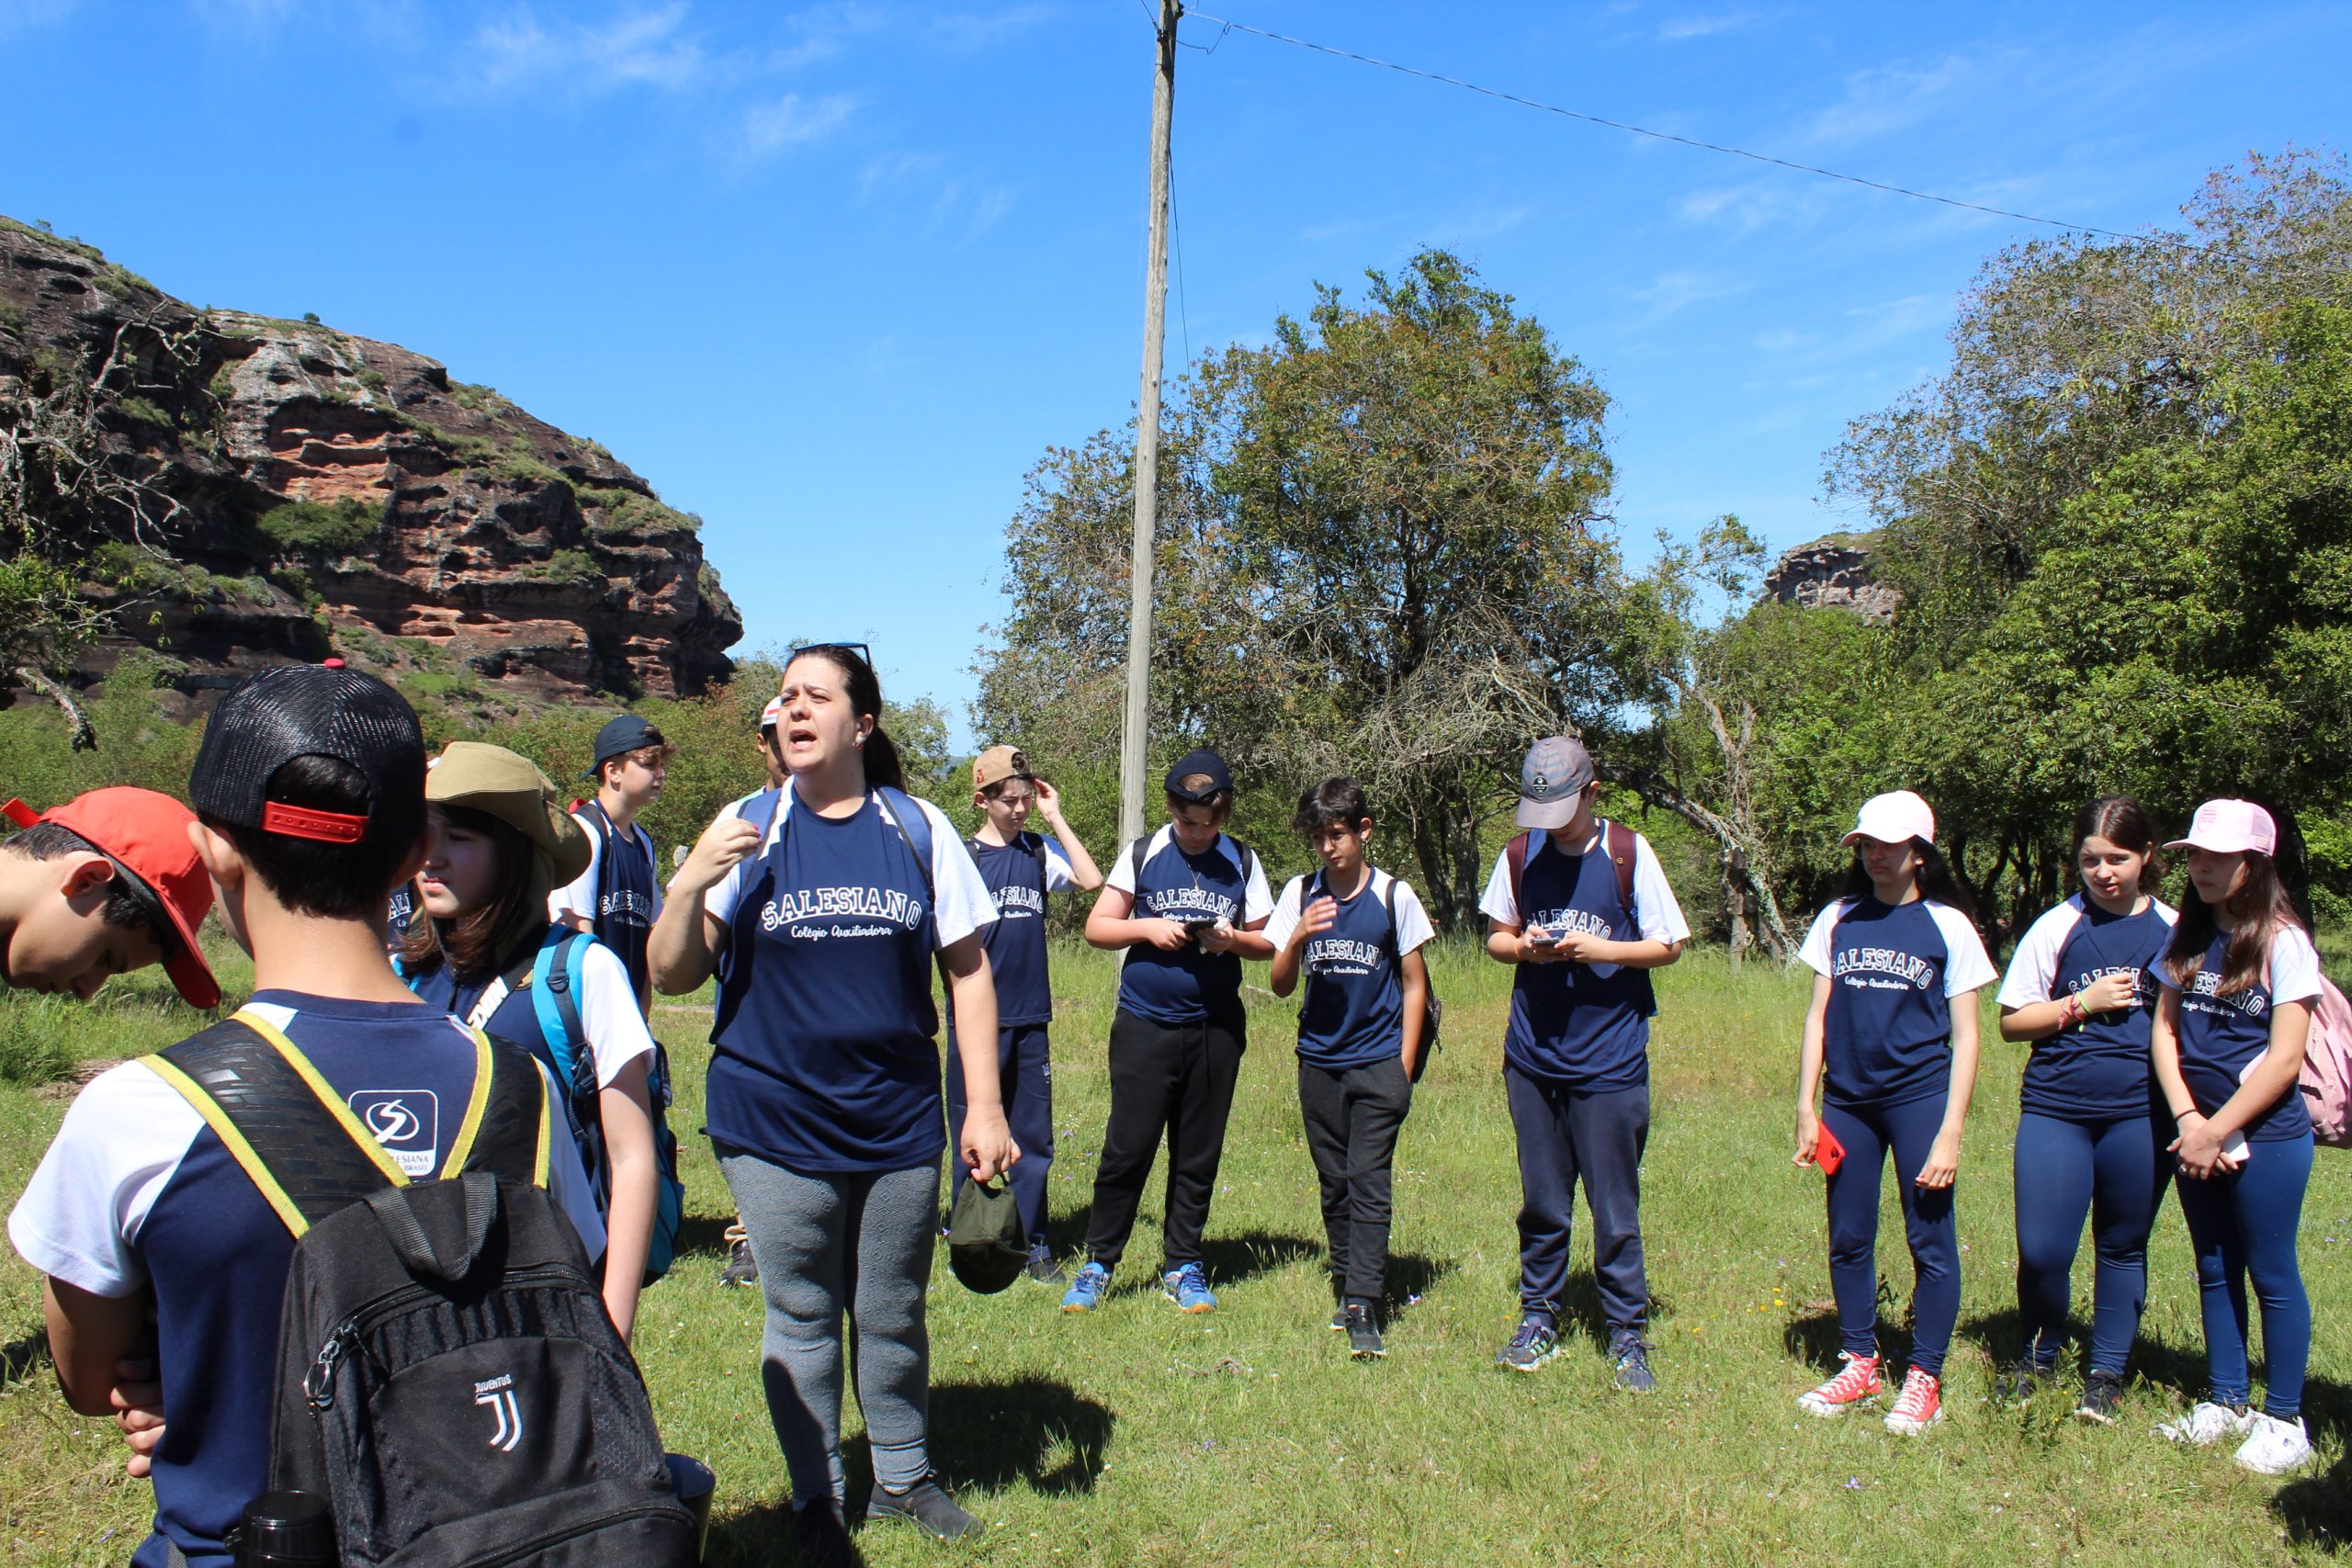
(145, 834)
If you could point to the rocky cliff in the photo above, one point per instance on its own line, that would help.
(1833, 573)
(239, 490)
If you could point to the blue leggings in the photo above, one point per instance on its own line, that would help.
(1870, 1135)
(2112, 1173)
(2245, 1224)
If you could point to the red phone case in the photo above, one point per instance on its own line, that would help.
(1828, 1152)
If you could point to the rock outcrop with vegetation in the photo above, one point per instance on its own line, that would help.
(233, 490)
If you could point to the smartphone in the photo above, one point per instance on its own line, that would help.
(1544, 939)
(1828, 1152)
(1199, 929)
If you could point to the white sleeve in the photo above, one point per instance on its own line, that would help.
(1060, 875)
(1122, 870)
(963, 898)
(80, 1217)
(1287, 910)
(1657, 913)
(617, 1031)
(1496, 903)
(1413, 926)
(1967, 966)
(1256, 899)
(580, 897)
(568, 1181)
(1815, 952)
(2294, 967)
(2033, 968)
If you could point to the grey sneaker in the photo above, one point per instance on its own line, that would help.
(927, 1506)
(1631, 1352)
(2102, 1397)
(1363, 1331)
(1532, 1344)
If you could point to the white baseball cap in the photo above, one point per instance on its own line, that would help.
(1895, 818)
(2226, 827)
(770, 714)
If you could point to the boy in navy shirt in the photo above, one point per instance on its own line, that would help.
(1583, 908)
(1187, 904)
(1021, 868)
(310, 796)
(619, 897)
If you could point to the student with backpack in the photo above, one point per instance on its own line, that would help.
(822, 923)
(2240, 981)
(499, 842)
(180, 1183)
(1022, 870)
(2081, 990)
(618, 897)
(1582, 908)
(1355, 933)
(1890, 1045)
(1186, 904)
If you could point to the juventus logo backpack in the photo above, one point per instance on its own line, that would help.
(446, 1376)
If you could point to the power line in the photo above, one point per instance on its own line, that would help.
(1688, 140)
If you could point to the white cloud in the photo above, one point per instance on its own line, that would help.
(1680, 29)
(790, 120)
(1890, 98)
(1671, 292)
(638, 47)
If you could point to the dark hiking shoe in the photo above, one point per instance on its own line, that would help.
(2021, 1383)
(740, 1270)
(822, 1537)
(1532, 1344)
(1340, 1318)
(1631, 1353)
(1044, 1266)
(928, 1507)
(1363, 1331)
(2102, 1397)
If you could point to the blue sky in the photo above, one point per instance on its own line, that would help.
(835, 275)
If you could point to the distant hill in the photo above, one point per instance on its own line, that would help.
(256, 490)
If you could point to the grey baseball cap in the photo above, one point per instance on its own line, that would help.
(1555, 772)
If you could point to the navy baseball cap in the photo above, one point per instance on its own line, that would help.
(306, 710)
(1201, 761)
(620, 738)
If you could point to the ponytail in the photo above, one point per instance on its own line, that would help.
(882, 765)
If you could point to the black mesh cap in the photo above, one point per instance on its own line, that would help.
(306, 710)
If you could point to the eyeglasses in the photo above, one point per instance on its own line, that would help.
(859, 649)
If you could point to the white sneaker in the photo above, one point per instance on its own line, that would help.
(2275, 1447)
(2207, 1424)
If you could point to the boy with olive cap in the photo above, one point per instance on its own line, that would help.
(619, 897)
(309, 805)
(1582, 908)
(1187, 904)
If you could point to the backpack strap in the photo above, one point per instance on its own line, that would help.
(1139, 853)
(1515, 858)
(915, 828)
(555, 1003)
(759, 810)
(1617, 841)
(1044, 874)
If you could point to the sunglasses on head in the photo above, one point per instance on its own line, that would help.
(859, 649)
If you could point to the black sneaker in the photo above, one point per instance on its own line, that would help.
(1044, 1266)
(1363, 1331)
(1631, 1352)
(2102, 1397)
(2021, 1383)
(740, 1270)
(820, 1534)
(928, 1507)
(1340, 1318)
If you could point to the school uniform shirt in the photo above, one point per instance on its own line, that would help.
(1016, 944)
(138, 1192)
(1352, 1013)
(620, 893)
(1189, 984)
(2222, 1037)
(826, 1059)
(2098, 1070)
(1584, 1026)
(1894, 969)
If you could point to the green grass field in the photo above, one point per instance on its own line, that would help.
(1246, 1435)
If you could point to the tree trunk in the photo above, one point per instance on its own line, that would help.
(80, 734)
(1737, 856)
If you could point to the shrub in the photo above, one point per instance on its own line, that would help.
(143, 411)
(567, 566)
(321, 526)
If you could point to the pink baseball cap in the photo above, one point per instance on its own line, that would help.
(2226, 827)
(1895, 818)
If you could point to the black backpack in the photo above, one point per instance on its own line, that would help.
(447, 1377)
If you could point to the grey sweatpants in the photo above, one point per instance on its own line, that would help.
(825, 1245)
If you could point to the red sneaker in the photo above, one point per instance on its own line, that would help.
(1856, 1384)
(1919, 1406)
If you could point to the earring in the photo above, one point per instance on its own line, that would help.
(861, 740)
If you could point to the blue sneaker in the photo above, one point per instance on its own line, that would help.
(1532, 1344)
(1086, 1291)
(1189, 1288)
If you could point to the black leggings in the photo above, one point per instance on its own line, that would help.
(1175, 1078)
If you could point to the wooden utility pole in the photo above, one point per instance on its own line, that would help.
(1134, 748)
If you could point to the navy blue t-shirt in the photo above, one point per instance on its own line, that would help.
(1016, 944)
(2098, 1070)
(628, 895)
(1892, 968)
(1189, 984)
(826, 1059)
(2220, 1037)
(1571, 1023)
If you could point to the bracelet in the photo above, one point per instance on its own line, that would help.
(2179, 1116)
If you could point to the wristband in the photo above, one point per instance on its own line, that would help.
(2179, 1116)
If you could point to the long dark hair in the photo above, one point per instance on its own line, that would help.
(468, 944)
(1935, 880)
(2123, 822)
(2260, 907)
(864, 690)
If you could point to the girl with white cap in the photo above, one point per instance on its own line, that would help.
(2240, 980)
(1892, 1032)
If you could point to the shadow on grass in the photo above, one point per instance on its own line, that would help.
(703, 1235)
(1234, 1259)
(1815, 1338)
(1411, 1275)
(1032, 1429)
(18, 1358)
(2317, 1509)
(2001, 1336)
(758, 1537)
